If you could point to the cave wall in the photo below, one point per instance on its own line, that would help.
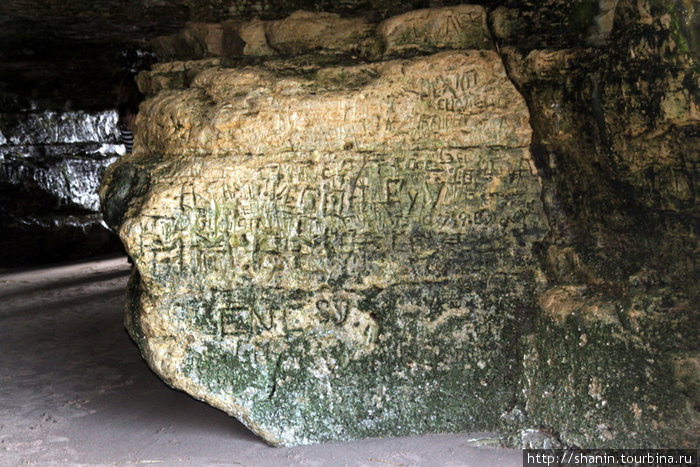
(615, 120)
(612, 89)
(609, 355)
(51, 164)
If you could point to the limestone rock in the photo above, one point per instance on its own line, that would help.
(614, 372)
(460, 27)
(253, 34)
(615, 130)
(172, 75)
(339, 253)
(199, 40)
(50, 169)
(408, 111)
(304, 32)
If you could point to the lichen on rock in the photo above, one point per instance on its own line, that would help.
(453, 219)
(615, 127)
(328, 258)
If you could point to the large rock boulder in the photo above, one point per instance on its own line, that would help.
(329, 248)
(333, 234)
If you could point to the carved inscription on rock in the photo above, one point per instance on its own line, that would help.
(330, 263)
(304, 214)
(460, 27)
(450, 99)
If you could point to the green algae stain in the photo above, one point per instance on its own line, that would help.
(321, 389)
(603, 386)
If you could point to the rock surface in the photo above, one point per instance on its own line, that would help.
(615, 124)
(603, 354)
(51, 164)
(460, 27)
(416, 32)
(338, 250)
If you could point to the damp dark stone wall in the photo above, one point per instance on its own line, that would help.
(51, 164)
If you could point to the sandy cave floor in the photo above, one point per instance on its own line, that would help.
(74, 391)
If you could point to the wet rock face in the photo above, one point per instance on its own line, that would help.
(330, 251)
(51, 164)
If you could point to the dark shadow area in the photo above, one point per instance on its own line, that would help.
(26, 311)
(64, 284)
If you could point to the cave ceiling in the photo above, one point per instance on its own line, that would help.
(69, 53)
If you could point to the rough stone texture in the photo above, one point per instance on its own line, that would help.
(71, 51)
(336, 251)
(253, 34)
(609, 357)
(304, 32)
(51, 164)
(461, 27)
(416, 32)
(173, 75)
(613, 357)
(213, 116)
(198, 40)
(614, 371)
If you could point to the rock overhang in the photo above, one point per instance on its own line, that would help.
(326, 258)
